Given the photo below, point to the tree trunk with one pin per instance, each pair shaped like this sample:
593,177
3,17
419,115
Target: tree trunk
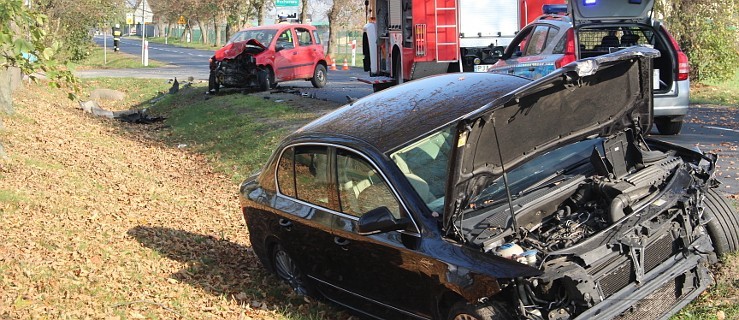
203,31
333,28
10,79
304,12
217,28
260,13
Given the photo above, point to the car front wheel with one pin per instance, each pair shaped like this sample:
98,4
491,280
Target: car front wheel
288,271
319,77
213,85
723,226
668,127
264,79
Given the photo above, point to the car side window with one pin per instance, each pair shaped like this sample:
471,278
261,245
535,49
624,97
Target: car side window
537,41
286,173
285,39
311,176
303,37
315,36
361,187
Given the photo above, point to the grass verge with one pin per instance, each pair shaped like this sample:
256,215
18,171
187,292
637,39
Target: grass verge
113,60
718,93
177,42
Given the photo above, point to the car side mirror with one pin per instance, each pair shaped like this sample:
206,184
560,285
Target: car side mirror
380,220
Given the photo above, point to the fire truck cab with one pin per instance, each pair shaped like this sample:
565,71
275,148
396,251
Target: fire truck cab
410,39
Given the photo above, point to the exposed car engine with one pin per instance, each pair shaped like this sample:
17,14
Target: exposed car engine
602,230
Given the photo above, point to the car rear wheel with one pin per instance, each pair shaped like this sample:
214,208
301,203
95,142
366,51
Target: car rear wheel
668,127
723,226
466,311
319,76
288,271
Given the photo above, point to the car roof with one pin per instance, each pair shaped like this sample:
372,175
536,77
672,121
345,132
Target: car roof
559,21
279,26
397,116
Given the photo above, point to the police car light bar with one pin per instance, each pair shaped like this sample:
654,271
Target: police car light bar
554,8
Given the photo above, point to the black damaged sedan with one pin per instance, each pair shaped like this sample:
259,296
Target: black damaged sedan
489,196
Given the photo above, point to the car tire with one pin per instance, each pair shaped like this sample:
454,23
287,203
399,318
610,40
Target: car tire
213,86
287,270
666,126
264,80
723,224
489,311
319,77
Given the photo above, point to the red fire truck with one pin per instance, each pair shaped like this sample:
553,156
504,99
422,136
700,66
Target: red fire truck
410,39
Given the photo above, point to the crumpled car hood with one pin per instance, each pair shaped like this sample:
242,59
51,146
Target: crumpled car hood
591,97
234,49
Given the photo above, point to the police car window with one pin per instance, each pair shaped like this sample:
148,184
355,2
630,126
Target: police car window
537,41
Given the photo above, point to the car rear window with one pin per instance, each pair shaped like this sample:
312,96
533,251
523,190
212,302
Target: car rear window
605,40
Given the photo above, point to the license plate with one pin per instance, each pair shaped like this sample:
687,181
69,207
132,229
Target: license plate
482,67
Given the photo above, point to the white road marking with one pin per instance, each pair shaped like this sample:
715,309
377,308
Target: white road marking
721,128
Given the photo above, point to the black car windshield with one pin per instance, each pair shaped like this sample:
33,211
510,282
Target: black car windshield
541,169
424,164
263,36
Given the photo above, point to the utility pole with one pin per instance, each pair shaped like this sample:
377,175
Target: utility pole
144,43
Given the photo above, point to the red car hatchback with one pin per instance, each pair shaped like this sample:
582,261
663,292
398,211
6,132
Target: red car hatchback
263,56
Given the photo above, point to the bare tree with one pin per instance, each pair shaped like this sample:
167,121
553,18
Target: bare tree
340,17
304,12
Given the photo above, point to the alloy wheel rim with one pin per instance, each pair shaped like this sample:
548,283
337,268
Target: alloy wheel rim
321,76
288,271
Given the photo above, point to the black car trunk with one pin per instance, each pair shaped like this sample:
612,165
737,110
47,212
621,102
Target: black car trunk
601,39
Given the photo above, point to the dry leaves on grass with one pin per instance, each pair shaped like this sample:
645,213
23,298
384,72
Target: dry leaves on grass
99,221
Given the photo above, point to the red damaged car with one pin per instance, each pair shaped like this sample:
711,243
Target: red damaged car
260,57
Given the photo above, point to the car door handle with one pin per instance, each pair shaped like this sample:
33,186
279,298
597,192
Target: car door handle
286,224
342,242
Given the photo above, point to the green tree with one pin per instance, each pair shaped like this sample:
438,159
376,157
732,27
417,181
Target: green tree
707,32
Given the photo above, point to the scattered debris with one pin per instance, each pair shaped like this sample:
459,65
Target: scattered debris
130,116
350,99
107,94
175,87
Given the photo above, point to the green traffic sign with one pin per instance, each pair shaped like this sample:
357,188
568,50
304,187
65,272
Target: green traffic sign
287,3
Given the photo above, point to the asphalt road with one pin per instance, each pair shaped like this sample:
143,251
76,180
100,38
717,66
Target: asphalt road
187,62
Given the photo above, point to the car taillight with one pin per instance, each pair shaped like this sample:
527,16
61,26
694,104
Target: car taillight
569,54
683,65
